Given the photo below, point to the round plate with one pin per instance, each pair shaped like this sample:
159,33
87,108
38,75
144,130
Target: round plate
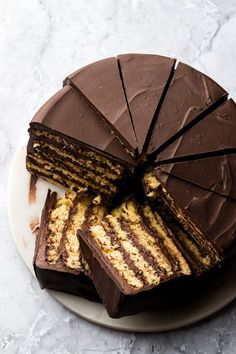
24,214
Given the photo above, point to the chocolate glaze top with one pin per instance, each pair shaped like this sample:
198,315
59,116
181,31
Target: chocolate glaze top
190,93
69,114
101,84
212,135
145,78
217,174
214,214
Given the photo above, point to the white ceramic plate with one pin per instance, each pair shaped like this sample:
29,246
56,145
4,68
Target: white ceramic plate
22,213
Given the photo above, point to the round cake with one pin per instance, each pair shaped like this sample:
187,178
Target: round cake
145,149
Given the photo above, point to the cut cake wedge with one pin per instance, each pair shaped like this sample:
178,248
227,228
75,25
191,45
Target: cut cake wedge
58,262
130,254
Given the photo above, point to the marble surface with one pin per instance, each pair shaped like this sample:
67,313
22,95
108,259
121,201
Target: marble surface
40,42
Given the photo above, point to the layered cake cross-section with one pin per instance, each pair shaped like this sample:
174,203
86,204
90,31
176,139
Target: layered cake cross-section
194,251
58,262
131,251
69,146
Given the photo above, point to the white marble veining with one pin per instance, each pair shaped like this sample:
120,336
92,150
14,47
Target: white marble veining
40,42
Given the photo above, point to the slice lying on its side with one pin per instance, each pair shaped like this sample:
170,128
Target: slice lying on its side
130,253
209,217
196,255
191,95
58,262
70,146
211,136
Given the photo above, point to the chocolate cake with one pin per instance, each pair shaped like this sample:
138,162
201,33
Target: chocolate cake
209,217
152,142
68,145
132,250
58,262
194,252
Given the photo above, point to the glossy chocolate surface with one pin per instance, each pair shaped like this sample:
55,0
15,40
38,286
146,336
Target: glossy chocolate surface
214,214
101,85
189,95
213,135
217,174
69,114
145,78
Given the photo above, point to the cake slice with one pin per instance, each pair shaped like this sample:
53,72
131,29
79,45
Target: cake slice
191,95
211,136
195,254
69,146
145,78
217,174
207,216
130,253
101,85
58,262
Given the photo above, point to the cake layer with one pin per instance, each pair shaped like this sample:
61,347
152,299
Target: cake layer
217,174
211,136
145,78
58,262
156,190
81,167
197,257
135,249
77,171
43,167
77,150
149,227
209,217
191,96
81,160
101,85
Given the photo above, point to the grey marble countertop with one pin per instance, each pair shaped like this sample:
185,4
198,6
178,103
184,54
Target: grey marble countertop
40,42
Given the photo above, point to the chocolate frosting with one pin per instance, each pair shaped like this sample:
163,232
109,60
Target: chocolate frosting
101,84
69,114
217,174
145,78
212,135
214,214
190,94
